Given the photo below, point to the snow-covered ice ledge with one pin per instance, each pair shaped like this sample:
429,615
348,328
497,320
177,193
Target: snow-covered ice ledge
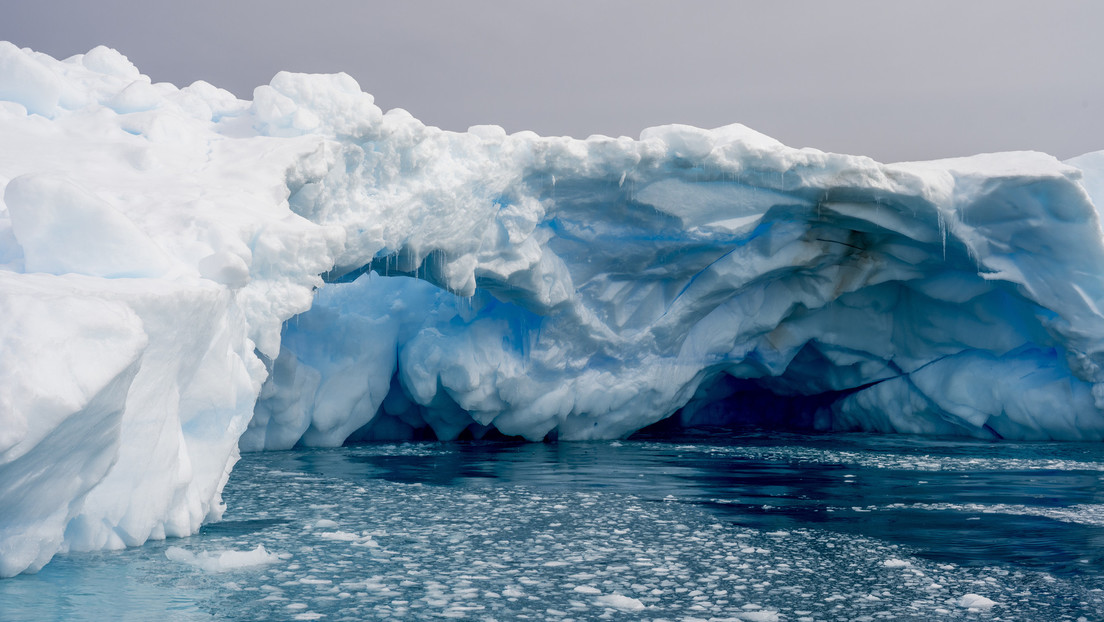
178,277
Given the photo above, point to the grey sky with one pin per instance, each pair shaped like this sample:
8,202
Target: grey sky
893,80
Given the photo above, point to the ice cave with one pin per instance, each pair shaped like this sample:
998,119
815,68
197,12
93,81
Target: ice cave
186,275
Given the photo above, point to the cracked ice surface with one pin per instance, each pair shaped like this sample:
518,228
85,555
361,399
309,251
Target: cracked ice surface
179,273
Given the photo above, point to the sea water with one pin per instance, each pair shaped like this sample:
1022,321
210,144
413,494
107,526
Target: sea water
749,526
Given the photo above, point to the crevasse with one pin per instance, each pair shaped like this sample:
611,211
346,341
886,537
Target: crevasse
183,273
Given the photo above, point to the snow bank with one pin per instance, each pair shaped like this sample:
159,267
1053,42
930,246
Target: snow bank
183,273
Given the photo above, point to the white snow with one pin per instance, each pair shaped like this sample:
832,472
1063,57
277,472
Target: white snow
177,281
62,228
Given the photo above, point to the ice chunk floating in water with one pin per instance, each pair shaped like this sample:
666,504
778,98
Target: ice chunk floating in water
185,273
221,561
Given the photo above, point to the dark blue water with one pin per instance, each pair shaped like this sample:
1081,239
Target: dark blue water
747,527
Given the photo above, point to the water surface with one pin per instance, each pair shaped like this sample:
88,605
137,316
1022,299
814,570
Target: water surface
750,526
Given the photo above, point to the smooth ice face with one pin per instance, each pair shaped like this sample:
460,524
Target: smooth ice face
179,270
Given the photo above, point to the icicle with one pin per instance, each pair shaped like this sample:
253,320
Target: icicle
942,231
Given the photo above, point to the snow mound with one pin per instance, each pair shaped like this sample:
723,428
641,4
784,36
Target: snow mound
183,274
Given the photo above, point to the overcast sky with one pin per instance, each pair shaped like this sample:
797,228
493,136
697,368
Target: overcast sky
894,80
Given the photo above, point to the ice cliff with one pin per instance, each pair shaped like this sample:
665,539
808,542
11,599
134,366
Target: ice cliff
183,273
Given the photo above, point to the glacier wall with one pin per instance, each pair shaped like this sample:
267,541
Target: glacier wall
183,274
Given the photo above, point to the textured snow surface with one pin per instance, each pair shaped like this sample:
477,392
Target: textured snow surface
179,271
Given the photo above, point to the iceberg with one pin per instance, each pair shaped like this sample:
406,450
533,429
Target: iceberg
185,275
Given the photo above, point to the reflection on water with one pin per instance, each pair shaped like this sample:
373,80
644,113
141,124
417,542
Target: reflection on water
113,586
946,515
779,526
